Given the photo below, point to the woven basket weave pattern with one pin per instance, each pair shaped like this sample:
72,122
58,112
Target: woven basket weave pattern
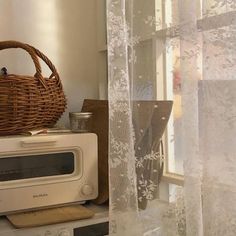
30,102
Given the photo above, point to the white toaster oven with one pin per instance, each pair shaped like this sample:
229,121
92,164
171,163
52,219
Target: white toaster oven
47,170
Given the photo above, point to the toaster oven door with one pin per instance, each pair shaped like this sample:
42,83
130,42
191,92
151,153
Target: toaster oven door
29,166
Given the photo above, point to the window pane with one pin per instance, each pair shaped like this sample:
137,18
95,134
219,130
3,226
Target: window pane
173,92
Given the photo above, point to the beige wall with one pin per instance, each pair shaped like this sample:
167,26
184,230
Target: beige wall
65,30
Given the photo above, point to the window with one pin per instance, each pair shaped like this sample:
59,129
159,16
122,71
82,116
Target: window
169,85
168,76
162,16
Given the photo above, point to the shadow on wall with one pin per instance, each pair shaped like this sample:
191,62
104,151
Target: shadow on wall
77,34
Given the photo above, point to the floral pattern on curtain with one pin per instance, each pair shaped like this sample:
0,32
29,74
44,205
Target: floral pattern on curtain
143,37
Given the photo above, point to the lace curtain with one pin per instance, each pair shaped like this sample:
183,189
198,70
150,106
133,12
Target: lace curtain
183,51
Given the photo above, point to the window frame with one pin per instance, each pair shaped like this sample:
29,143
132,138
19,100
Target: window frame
205,23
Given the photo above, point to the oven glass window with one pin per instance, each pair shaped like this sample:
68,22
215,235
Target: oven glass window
34,166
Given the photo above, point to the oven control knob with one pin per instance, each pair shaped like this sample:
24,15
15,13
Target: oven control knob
87,190
64,233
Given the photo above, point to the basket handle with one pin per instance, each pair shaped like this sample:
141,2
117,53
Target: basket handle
16,44
49,64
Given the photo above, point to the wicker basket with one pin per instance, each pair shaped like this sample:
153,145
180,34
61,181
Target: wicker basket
30,102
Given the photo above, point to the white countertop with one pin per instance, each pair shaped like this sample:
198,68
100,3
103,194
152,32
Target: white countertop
62,229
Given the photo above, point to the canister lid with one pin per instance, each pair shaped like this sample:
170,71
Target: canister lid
80,114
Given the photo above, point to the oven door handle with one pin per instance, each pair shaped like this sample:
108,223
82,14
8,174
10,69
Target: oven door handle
38,143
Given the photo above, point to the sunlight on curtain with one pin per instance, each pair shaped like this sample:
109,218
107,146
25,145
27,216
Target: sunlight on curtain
183,51
137,121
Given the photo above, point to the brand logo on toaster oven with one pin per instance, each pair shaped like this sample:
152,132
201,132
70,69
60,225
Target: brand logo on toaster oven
40,195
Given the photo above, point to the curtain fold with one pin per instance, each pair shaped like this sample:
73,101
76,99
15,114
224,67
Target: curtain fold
183,51
123,186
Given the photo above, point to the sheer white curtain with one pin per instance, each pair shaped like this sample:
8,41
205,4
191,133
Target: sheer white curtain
145,38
